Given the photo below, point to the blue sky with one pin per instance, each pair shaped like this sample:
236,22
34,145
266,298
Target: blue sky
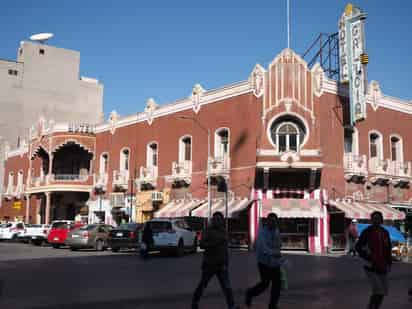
160,49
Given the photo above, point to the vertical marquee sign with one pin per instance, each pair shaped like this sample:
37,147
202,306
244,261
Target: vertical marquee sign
353,59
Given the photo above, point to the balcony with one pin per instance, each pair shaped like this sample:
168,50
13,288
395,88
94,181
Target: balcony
402,173
355,167
100,182
382,171
147,177
120,180
181,172
220,166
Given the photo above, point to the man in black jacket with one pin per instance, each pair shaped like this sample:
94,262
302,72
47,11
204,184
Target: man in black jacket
374,246
215,260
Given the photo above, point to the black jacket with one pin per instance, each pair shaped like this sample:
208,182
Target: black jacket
147,236
214,242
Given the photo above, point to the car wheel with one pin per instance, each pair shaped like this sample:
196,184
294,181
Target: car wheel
99,245
73,249
115,249
194,248
38,243
180,250
56,246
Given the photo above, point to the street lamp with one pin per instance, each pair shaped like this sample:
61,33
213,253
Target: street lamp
207,130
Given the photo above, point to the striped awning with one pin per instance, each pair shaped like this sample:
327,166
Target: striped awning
177,209
360,210
234,207
292,208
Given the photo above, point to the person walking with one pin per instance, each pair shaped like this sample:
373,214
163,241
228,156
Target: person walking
215,261
352,237
374,246
147,241
269,260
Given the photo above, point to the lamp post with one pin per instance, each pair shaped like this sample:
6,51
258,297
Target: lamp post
207,130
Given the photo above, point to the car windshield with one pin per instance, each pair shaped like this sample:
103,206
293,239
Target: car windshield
159,226
88,227
129,226
60,225
33,225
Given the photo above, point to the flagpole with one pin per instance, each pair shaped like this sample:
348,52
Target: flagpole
288,21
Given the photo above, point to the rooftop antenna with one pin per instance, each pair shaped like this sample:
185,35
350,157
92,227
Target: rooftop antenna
41,37
288,20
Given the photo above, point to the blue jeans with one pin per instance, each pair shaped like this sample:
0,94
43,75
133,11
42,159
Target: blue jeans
222,275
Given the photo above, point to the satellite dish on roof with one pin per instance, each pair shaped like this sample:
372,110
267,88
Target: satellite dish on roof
41,37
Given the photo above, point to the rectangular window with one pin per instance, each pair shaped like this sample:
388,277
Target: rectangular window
394,151
282,143
293,143
374,149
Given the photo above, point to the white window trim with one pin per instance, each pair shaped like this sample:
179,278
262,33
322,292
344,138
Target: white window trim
11,179
400,157
20,177
379,144
149,154
122,162
182,151
273,119
218,142
101,165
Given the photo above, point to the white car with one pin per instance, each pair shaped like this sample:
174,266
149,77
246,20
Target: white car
35,233
11,230
172,234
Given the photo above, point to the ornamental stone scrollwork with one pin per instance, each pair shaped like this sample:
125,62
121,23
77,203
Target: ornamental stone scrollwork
290,157
151,106
257,80
318,76
113,119
197,93
375,94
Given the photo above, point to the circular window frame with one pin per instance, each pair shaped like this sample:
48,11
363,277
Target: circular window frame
274,118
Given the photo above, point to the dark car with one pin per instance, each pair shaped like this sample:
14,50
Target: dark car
89,236
125,236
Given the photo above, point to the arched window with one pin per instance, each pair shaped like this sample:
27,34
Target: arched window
124,159
11,179
104,163
375,145
152,155
288,133
20,178
185,149
222,143
287,137
396,149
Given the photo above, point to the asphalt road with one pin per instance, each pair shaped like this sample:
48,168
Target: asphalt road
45,278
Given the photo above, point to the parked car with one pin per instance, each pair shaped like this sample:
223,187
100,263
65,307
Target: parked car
35,233
173,234
125,236
59,231
11,230
89,236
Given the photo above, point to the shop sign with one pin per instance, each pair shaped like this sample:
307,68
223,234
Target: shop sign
17,205
353,59
82,128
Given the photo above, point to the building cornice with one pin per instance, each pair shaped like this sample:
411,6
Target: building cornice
208,97
396,104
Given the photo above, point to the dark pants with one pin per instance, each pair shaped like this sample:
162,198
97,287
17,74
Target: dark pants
222,275
267,275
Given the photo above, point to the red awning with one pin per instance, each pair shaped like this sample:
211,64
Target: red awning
360,210
235,206
177,209
292,208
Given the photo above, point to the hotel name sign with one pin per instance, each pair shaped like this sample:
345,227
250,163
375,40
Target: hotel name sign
353,60
82,128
